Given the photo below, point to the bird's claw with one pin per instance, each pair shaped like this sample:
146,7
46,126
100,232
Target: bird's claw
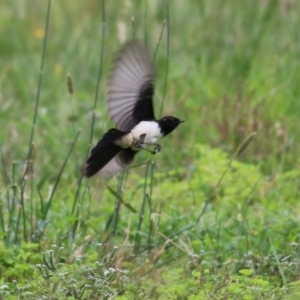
157,149
138,143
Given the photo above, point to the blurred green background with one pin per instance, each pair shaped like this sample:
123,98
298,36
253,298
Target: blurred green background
228,68
233,69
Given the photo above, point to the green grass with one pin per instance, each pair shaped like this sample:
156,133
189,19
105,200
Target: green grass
170,227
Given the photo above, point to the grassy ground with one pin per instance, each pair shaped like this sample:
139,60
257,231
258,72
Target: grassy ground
175,226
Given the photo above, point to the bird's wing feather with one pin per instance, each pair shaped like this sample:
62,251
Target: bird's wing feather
130,88
99,157
118,163
112,168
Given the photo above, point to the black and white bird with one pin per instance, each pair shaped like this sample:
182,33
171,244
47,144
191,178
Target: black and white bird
130,105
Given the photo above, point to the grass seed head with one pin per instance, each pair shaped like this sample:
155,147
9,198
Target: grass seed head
245,143
70,84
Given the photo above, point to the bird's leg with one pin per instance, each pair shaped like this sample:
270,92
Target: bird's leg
140,142
157,148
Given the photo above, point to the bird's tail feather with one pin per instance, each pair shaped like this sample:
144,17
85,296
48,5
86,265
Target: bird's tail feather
103,152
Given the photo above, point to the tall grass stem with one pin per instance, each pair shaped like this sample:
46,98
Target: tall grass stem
58,177
168,57
99,71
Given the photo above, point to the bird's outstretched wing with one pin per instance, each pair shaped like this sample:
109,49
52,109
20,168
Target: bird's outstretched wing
130,87
118,163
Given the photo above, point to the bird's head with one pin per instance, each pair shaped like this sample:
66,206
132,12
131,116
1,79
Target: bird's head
168,124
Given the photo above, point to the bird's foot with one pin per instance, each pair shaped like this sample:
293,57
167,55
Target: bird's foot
140,142
156,149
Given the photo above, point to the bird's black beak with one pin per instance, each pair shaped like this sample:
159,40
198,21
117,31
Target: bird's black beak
181,121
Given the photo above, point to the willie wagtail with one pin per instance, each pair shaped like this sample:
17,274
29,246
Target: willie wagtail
130,105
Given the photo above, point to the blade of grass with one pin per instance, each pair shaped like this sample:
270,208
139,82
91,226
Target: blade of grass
37,100
70,86
2,222
149,197
39,187
117,204
158,222
283,278
159,40
212,193
95,104
114,193
30,145
59,176
31,205
141,215
7,179
240,149
87,217
14,205
145,24
108,224
75,204
18,225
76,224
114,218
10,217
169,237
168,57
99,72
77,194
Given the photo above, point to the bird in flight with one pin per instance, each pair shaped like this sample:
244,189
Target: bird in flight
130,106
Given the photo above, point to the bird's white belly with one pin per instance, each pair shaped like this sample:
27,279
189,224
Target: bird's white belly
150,128
146,132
